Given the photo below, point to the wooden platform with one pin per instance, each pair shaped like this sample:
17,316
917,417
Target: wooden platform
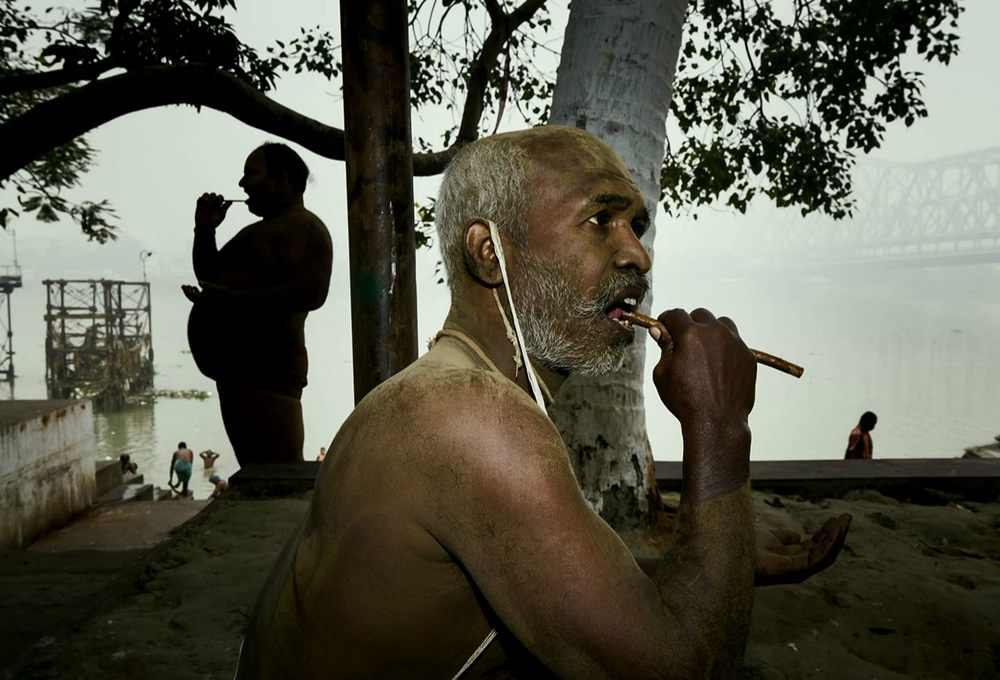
917,479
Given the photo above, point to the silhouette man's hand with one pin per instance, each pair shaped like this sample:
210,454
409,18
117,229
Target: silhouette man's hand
210,292
210,211
192,293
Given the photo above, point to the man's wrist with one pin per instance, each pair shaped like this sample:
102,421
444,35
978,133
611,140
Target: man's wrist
716,460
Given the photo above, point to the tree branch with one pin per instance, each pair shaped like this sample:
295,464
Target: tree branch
35,80
479,76
59,120
495,11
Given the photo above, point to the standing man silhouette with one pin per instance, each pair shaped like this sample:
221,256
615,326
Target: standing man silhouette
247,325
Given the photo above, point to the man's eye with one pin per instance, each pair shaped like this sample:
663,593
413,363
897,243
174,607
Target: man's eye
600,219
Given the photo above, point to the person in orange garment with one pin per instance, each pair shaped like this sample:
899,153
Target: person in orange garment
859,444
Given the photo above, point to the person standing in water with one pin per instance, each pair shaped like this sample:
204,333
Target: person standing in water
181,463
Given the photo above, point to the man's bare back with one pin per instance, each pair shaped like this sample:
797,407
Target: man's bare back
372,578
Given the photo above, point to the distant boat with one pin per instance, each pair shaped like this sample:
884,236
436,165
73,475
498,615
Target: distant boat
984,451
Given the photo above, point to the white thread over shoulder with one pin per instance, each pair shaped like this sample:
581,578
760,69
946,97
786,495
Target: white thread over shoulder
536,392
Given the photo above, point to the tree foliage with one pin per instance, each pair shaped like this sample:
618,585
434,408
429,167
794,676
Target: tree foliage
64,72
772,98
777,98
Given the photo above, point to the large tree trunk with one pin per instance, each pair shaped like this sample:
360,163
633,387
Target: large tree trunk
615,80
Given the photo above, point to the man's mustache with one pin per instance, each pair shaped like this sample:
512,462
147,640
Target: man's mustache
599,298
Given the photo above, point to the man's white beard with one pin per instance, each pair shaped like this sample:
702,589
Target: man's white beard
564,331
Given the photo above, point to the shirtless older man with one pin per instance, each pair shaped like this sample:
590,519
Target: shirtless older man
247,326
447,533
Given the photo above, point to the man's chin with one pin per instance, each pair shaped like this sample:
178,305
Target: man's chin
601,369
592,367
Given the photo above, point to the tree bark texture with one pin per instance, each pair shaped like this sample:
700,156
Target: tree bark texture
615,79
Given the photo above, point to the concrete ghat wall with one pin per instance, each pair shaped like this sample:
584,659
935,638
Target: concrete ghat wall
47,454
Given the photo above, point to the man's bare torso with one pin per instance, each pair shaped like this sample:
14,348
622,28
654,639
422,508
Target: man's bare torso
230,337
364,589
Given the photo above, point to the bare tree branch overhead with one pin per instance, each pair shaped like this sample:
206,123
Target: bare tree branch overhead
57,121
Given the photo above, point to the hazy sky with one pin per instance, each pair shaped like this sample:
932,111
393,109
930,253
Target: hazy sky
153,165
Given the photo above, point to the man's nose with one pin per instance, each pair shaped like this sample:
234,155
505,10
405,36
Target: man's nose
630,251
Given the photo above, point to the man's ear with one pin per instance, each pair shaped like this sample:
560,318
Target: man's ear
281,176
480,256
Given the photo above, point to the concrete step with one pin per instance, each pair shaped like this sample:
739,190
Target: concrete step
138,492
109,475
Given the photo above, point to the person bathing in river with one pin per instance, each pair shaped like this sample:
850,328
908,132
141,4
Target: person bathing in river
208,458
181,463
220,485
247,325
448,535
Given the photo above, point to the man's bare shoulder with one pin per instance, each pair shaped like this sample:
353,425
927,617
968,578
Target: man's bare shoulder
303,219
438,414
433,390
299,224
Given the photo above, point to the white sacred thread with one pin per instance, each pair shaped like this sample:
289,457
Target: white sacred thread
511,337
529,369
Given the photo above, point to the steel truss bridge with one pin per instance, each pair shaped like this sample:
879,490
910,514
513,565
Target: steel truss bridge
933,213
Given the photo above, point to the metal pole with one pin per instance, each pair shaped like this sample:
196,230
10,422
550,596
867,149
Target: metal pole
10,341
379,189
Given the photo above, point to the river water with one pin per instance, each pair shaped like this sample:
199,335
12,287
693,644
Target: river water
918,347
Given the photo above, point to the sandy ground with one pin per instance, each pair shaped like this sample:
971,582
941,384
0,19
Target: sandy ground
915,594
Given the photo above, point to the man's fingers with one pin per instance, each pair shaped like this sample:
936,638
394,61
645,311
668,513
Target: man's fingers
702,315
674,318
730,324
830,540
787,537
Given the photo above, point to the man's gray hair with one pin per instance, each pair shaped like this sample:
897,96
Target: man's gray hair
487,179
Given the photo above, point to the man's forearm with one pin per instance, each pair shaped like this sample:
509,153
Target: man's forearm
204,254
707,574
